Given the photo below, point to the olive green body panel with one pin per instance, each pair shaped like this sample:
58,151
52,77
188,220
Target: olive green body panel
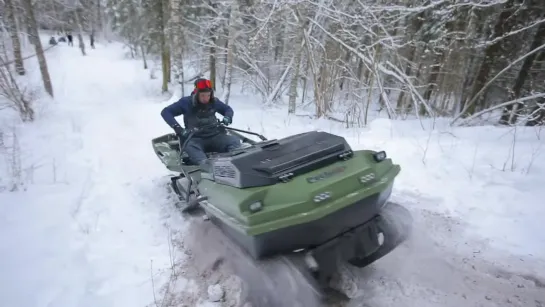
165,148
291,203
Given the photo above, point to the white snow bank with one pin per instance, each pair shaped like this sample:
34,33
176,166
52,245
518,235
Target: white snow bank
90,223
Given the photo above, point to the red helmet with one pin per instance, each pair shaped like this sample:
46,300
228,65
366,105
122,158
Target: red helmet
203,85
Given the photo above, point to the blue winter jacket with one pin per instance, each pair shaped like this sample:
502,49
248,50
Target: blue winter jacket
196,114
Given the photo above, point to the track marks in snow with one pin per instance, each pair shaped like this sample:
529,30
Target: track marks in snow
440,266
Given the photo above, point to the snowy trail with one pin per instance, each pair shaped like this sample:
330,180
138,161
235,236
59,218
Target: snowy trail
121,214
107,215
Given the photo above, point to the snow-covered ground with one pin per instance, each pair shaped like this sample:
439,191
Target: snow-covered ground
93,225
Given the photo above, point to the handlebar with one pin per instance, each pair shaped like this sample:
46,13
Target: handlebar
218,123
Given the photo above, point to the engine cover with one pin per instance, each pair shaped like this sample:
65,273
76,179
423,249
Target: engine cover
272,161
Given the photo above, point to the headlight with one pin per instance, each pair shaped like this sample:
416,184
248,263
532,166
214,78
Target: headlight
379,156
367,178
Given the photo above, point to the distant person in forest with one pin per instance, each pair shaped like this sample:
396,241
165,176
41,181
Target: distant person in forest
92,39
70,39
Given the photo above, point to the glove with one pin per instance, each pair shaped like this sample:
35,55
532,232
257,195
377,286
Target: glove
226,120
180,132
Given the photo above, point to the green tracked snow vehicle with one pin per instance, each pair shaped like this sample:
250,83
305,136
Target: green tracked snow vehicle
308,194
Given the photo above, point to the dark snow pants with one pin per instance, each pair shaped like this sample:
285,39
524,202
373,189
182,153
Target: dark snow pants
197,147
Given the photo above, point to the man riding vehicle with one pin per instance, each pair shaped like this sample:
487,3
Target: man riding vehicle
199,111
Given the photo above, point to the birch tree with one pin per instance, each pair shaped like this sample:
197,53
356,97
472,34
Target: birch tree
230,49
11,25
35,39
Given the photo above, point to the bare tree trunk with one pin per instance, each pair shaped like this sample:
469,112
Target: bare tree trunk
165,50
503,25
177,41
165,63
346,61
415,24
537,112
168,54
295,76
230,50
35,39
212,63
226,47
14,33
182,77
305,81
81,43
433,76
509,115
100,22
144,56
92,39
